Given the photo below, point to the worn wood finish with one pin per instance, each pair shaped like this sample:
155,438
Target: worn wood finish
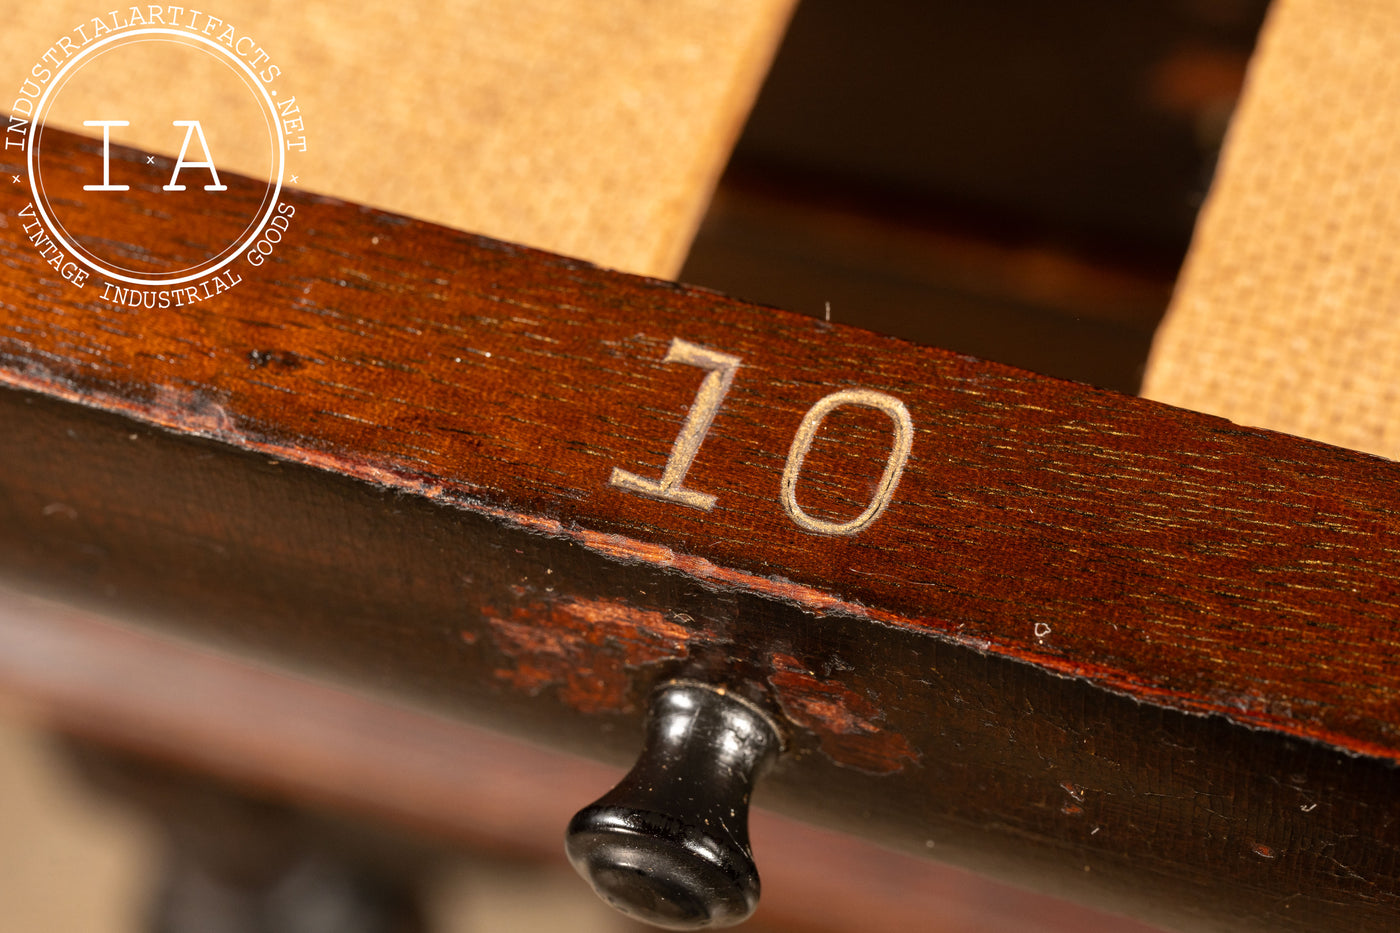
331,750
1098,645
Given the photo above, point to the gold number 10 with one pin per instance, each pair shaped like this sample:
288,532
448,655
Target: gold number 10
708,399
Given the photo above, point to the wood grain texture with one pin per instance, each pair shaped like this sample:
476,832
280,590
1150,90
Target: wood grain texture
1098,645
289,738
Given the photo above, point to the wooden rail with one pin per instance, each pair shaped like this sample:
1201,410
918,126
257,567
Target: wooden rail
332,750
1089,643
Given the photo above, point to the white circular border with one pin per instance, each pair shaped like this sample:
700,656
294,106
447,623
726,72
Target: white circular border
34,126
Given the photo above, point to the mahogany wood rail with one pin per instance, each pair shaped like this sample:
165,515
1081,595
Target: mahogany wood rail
1129,653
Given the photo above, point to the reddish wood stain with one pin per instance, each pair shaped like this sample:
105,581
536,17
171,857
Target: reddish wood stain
586,648
590,649
846,723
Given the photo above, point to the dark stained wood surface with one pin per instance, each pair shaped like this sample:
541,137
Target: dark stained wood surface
292,739
1101,646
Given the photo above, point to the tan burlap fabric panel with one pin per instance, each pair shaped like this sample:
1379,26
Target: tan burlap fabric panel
1287,314
596,130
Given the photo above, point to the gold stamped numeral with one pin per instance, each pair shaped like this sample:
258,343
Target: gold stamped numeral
713,388
894,464
720,369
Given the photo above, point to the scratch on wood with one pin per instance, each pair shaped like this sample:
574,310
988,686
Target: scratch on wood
197,412
280,359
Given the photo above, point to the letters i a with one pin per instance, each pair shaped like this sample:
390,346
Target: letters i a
192,128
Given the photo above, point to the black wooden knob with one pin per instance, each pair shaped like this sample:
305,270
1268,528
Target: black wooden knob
669,845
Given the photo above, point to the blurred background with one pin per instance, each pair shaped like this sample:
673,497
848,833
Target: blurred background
1011,179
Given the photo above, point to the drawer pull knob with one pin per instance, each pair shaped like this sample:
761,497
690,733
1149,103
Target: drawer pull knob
669,845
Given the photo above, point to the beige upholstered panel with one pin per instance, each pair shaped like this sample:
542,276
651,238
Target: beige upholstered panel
1287,314
596,130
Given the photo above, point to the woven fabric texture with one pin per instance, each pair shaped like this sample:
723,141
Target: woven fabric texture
1287,313
597,130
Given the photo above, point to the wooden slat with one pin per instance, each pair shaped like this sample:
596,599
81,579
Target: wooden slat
596,130
1094,644
1285,314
